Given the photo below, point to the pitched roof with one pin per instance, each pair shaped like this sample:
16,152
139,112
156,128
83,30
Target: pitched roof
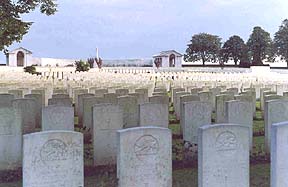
167,53
21,48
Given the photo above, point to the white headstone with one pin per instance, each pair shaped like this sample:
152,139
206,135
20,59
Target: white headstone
53,159
276,111
279,155
153,114
162,99
144,157
107,119
241,113
221,107
130,110
81,106
27,108
6,100
10,139
60,101
195,114
223,156
57,118
38,99
88,103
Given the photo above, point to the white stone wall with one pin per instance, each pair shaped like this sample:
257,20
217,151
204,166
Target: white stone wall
54,62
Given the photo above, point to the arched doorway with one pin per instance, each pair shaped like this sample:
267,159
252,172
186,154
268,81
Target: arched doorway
20,58
172,60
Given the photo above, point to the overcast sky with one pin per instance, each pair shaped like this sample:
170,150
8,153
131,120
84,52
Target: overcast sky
141,28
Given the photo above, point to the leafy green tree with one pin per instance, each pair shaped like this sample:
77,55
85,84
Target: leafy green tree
12,27
233,48
82,66
281,41
203,47
31,69
260,45
245,59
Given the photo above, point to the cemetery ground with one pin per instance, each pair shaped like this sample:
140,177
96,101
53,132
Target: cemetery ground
184,170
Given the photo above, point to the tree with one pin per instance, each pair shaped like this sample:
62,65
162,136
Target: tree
233,48
99,62
260,45
158,62
244,60
90,62
82,66
281,41
203,47
12,28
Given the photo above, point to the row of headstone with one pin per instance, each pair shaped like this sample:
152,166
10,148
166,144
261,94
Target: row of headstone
55,158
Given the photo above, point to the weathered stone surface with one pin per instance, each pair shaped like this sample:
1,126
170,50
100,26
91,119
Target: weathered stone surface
276,111
38,109
279,154
227,93
176,103
111,98
248,97
241,113
221,107
196,90
160,90
60,101
122,91
57,118
262,100
10,139
159,93
18,94
154,114
195,115
206,96
140,97
6,100
42,92
270,98
234,90
100,92
77,92
130,110
60,91
144,157
81,107
174,90
223,156
162,99
53,159
214,91
60,96
183,99
27,108
88,103
107,119
143,91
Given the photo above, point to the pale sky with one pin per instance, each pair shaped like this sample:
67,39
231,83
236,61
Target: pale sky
141,28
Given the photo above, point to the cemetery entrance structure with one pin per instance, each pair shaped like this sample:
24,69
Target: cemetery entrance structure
169,58
19,57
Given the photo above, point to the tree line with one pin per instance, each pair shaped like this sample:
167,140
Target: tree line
208,48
